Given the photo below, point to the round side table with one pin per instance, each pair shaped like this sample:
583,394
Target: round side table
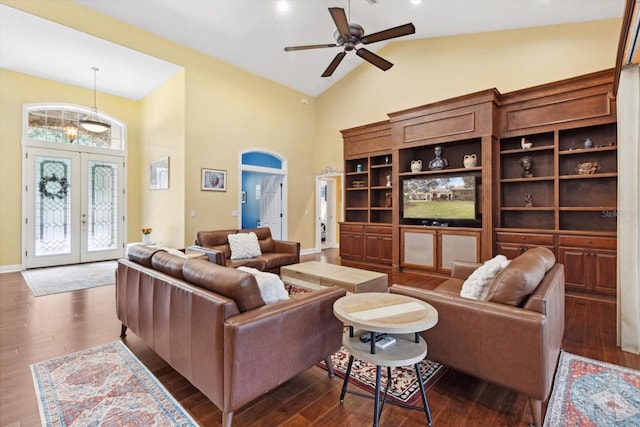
398,316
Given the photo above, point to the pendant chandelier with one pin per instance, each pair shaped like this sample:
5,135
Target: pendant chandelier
92,121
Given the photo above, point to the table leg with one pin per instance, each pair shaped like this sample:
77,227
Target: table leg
346,379
376,402
423,393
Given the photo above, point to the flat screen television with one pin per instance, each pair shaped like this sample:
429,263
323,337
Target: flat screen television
450,198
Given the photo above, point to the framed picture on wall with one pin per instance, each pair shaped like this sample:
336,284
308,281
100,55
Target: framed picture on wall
159,174
214,180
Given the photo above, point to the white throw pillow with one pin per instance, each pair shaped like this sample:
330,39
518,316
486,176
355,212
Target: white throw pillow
477,284
271,287
244,245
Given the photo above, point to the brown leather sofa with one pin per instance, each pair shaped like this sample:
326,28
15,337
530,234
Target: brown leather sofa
211,325
275,253
513,337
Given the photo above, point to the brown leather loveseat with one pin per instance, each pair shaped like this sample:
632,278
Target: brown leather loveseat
513,336
274,253
210,323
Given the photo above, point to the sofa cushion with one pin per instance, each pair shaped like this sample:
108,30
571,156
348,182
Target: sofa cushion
210,239
244,245
274,260
264,238
271,287
142,254
258,263
477,284
168,263
521,277
238,285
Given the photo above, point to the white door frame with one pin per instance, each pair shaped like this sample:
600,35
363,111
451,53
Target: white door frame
270,171
337,218
79,251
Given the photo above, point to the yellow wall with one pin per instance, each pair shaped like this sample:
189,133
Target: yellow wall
227,110
431,70
17,89
162,134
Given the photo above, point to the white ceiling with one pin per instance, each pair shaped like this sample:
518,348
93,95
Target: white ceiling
251,34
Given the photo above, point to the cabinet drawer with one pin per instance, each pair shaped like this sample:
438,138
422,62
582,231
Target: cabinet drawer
588,242
351,227
525,238
377,230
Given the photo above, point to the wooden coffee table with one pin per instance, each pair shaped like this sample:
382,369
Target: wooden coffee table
314,275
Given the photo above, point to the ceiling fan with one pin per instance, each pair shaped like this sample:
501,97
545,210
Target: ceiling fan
350,35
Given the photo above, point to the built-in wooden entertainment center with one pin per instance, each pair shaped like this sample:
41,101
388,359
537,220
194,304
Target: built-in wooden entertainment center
566,200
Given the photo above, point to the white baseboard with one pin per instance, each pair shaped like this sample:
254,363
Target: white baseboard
309,251
10,268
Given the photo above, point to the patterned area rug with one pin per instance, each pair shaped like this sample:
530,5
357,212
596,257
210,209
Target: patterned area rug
54,280
404,385
104,385
588,392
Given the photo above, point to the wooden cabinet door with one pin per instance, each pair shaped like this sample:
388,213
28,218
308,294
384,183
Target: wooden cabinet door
418,249
351,245
378,248
603,270
510,250
576,267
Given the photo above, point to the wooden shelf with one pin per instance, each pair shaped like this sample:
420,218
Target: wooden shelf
542,208
587,208
590,176
442,171
534,179
528,150
587,150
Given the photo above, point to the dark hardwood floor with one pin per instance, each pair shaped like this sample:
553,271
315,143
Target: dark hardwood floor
36,329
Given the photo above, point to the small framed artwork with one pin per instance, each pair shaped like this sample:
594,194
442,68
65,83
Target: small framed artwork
159,174
214,180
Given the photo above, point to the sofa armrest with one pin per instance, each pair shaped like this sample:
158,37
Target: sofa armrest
463,269
216,257
506,345
267,346
287,247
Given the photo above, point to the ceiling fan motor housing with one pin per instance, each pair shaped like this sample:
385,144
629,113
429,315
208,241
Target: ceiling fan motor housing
356,34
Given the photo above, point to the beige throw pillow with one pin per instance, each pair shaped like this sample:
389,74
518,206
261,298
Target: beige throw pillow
244,245
477,284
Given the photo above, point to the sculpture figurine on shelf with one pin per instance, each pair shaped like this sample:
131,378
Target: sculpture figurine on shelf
527,163
439,162
388,181
416,166
470,160
528,200
525,144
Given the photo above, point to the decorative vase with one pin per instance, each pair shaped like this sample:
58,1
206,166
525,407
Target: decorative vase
470,160
146,238
588,143
587,168
416,165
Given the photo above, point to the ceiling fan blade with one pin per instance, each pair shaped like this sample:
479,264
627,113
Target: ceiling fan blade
334,64
374,59
340,20
311,46
391,33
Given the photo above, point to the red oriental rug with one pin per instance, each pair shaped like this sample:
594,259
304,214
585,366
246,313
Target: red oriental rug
404,386
588,392
103,386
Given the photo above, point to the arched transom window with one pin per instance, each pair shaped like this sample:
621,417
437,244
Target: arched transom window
60,123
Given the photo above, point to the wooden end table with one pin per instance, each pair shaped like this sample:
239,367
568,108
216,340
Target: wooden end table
399,316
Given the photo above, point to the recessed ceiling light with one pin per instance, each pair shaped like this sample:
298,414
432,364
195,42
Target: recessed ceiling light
283,6
416,1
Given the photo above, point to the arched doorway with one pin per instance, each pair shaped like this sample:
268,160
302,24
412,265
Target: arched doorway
263,185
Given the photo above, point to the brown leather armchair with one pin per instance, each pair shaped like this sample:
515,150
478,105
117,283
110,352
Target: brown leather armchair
512,338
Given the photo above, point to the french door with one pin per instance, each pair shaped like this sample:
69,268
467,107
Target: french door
74,207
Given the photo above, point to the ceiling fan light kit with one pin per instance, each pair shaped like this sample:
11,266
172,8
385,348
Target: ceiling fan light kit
350,35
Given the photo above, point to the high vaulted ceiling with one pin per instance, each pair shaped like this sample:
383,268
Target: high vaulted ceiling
251,34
